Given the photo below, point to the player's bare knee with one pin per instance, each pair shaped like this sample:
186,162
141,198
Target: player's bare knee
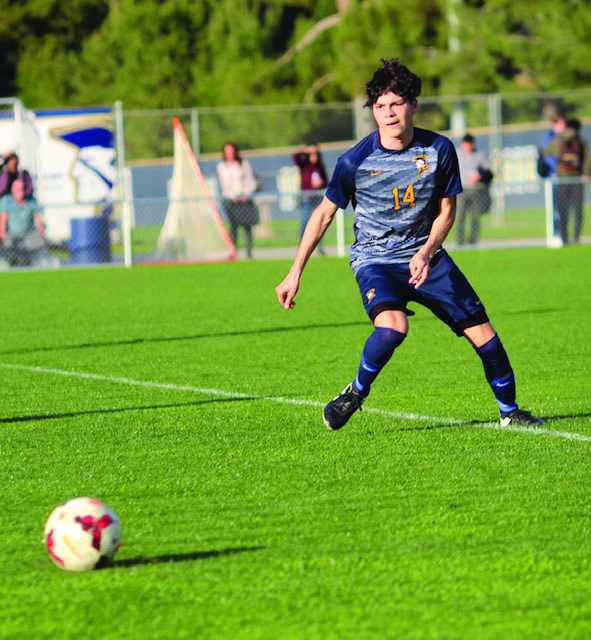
480,334
392,319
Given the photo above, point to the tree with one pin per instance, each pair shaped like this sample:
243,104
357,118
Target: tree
174,53
39,40
507,46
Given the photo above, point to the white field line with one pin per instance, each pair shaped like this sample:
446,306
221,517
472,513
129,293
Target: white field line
280,400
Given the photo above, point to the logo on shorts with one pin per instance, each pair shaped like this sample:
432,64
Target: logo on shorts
370,295
375,173
422,164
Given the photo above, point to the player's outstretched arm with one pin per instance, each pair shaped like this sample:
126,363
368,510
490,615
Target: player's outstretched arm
420,263
318,223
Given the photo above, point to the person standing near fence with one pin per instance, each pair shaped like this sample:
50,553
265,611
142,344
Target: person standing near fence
571,156
238,184
403,182
547,169
313,179
474,201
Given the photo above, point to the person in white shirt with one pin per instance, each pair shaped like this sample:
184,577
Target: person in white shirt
238,184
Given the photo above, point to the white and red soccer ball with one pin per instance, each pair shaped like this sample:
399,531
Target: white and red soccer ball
82,534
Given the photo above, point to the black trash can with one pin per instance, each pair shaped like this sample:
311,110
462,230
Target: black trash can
90,241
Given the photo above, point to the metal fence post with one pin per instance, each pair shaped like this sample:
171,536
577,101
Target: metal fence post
123,196
362,118
195,139
496,146
18,122
549,202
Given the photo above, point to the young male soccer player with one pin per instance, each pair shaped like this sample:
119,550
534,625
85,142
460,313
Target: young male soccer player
402,182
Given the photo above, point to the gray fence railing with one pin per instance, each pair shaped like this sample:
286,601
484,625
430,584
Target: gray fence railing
498,118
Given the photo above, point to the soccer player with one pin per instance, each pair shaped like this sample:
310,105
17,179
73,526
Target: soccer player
402,182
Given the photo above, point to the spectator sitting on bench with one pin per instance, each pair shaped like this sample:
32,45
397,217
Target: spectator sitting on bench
21,226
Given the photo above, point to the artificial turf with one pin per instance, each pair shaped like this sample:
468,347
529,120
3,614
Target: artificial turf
190,402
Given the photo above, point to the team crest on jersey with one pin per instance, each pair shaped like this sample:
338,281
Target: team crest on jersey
422,164
370,295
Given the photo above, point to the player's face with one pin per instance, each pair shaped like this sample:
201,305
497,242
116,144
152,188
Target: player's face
393,115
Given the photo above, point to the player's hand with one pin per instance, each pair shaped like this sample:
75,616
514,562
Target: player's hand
419,270
286,291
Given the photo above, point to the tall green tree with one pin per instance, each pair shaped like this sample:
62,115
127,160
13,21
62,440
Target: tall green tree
375,29
531,45
170,53
40,40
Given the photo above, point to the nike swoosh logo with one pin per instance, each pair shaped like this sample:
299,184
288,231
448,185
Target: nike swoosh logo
376,173
368,368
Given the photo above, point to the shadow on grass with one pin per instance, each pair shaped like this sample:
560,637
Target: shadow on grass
452,425
519,312
178,557
221,334
90,412
549,420
567,416
197,336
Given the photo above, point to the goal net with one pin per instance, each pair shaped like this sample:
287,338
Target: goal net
193,229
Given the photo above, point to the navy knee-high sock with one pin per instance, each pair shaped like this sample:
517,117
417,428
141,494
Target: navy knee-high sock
498,372
377,351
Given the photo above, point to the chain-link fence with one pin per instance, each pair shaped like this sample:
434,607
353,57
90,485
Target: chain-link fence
518,208
149,135
280,218
503,119
266,226
270,227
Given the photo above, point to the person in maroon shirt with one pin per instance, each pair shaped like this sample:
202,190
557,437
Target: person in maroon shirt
313,181
11,172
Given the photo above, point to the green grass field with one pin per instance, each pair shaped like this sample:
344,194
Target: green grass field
190,402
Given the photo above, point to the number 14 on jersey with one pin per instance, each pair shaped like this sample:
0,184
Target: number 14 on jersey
408,197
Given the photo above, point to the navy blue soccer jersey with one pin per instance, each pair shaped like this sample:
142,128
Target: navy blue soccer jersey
395,194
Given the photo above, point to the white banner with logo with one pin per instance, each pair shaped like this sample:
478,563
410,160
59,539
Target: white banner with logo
76,164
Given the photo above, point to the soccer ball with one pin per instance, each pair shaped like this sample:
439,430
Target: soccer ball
82,534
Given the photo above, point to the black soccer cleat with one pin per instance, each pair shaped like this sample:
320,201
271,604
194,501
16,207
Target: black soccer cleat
338,411
519,416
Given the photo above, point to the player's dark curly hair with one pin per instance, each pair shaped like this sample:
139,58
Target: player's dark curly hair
395,77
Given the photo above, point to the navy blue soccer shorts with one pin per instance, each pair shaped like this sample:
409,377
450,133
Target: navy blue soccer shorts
446,292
